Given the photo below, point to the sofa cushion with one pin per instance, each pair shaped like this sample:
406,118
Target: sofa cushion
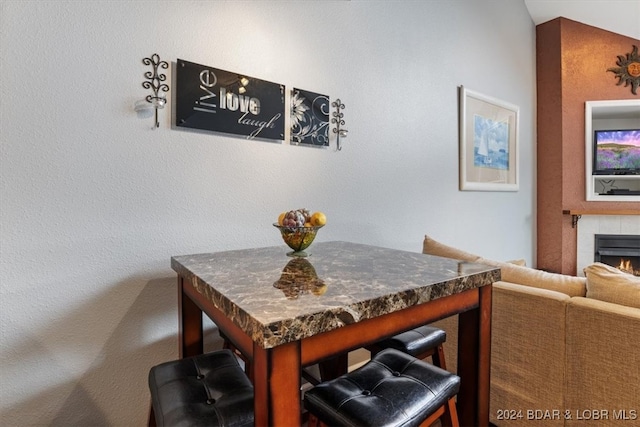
433,247
606,283
569,285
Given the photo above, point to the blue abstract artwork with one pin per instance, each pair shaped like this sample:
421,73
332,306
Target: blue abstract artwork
490,143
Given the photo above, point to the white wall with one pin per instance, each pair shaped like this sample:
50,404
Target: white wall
94,202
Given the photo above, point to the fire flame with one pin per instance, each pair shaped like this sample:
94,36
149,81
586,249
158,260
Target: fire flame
625,265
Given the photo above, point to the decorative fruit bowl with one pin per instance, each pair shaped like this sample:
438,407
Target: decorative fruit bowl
298,238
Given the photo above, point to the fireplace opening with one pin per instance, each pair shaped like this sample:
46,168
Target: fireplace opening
619,251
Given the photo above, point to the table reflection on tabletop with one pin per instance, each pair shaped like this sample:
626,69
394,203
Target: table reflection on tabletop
299,278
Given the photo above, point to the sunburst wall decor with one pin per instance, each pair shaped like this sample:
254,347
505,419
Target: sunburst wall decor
628,70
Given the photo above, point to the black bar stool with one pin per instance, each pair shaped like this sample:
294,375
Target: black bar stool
420,342
206,390
392,389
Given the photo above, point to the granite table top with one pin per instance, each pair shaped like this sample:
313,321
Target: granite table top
277,299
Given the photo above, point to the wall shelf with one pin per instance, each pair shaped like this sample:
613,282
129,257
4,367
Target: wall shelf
603,115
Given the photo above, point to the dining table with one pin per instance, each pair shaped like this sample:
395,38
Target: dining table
285,312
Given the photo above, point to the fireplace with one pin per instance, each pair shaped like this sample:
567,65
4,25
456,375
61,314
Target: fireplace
619,250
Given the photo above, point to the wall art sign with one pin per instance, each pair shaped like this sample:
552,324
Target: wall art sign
222,101
488,143
309,118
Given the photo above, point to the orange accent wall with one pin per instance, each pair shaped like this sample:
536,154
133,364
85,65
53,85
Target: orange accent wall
571,66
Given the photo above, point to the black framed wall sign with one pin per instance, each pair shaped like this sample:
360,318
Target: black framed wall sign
215,100
309,118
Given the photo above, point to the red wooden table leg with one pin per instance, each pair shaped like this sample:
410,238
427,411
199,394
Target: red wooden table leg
484,370
191,340
474,361
284,385
260,374
277,385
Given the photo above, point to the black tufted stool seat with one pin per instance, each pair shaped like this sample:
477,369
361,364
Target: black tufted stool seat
206,390
392,389
420,342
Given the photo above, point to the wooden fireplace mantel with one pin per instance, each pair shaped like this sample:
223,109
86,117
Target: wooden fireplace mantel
576,214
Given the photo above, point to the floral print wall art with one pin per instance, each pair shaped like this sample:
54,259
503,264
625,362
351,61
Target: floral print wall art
309,118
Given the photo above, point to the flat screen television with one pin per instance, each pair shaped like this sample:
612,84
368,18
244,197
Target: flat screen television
616,152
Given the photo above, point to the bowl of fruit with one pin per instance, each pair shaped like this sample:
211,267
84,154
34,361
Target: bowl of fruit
299,228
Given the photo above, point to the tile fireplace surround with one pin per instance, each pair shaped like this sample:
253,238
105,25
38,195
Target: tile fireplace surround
590,225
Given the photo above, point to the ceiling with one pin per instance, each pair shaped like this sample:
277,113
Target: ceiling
618,16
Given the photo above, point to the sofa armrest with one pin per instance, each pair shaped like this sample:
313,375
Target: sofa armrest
527,352
603,362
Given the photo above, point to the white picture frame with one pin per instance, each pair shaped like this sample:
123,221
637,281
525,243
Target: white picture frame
489,127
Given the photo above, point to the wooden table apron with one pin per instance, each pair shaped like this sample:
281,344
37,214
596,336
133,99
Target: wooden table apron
276,371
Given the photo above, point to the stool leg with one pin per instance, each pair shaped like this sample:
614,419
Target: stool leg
314,421
152,418
433,417
450,416
373,349
227,344
334,367
438,357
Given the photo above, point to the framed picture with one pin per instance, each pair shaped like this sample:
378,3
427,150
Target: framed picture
488,143
212,99
309,118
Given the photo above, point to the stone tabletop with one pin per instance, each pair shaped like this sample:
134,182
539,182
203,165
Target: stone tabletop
277,299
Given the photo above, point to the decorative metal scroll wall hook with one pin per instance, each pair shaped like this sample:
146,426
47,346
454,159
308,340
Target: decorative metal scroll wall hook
154,82
339,121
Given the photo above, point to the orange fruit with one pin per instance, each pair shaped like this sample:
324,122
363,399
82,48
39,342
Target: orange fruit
281,218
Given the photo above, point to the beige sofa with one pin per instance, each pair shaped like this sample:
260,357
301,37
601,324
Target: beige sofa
559,356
